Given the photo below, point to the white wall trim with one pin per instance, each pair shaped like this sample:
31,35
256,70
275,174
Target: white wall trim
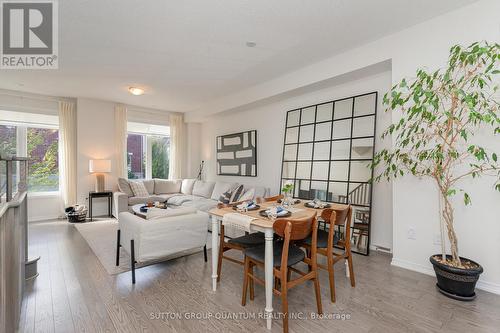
412,266
44,206
489,286
33,96
19,101
380,248
45,218
483,285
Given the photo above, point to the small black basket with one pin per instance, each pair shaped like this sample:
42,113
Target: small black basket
77,217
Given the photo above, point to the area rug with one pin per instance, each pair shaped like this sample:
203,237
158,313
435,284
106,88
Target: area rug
101,237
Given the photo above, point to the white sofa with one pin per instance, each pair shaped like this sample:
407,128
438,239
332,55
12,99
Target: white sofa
176,232
202,195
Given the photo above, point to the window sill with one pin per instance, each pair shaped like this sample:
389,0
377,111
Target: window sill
41,195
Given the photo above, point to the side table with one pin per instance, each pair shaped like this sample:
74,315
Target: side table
105,194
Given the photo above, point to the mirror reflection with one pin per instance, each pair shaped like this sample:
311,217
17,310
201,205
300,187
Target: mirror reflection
324,112
306,133
323,131
308,115
293,118
327,153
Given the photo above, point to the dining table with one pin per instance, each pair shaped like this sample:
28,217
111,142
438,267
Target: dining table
265,225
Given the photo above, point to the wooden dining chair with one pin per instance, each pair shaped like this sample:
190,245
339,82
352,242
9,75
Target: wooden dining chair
269,199
240,243
286,254
326,241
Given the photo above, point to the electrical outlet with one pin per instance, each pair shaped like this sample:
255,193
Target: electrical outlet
437,239
412,233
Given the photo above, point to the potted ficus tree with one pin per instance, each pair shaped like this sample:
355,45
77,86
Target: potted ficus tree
440,113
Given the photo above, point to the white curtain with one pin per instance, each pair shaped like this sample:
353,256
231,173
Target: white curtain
121,140
176,145
67,152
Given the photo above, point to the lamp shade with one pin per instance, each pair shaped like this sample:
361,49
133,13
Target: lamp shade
98,166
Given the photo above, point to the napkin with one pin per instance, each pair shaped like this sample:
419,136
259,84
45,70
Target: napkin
245,205
238,221
279,211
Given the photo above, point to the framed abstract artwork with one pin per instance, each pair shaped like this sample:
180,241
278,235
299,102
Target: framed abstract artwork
237,154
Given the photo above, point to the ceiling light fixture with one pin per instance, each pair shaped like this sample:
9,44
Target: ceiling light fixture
251,44
136,91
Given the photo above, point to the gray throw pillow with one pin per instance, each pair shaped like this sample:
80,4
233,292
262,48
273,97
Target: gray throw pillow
149,184
225,197
124,187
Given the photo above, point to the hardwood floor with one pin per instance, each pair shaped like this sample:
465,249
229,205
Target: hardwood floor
74,293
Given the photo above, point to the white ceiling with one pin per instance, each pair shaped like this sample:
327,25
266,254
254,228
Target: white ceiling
186,53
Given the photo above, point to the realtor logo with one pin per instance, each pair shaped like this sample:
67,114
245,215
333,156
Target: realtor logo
29,34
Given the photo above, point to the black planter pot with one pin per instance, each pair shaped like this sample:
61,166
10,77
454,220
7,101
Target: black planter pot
456,283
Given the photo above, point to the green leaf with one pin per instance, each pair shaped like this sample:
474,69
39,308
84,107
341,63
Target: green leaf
451,192
467,199
439,112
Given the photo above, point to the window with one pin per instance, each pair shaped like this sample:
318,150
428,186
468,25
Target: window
43,166
37,137
148,149
8,140
136,156
160,150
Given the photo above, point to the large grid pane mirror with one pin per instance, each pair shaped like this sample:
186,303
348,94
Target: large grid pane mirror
327,151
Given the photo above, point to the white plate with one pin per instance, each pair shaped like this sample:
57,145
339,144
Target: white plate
282,213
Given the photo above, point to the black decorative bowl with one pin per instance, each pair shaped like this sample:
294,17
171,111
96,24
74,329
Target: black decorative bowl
144,209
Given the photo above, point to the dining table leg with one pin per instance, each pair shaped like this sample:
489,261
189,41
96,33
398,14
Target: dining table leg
268,273
215,250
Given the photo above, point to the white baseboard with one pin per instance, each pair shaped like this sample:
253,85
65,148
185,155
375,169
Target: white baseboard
488,286
43,218
483,285
378,248
413,266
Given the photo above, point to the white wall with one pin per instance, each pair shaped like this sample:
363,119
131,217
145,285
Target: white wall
269,121
95,140
414,201
44,207
193,150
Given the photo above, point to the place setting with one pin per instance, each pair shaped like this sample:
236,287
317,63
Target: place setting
246,206
317,204
275,212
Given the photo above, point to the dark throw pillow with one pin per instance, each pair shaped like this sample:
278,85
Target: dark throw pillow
237,192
